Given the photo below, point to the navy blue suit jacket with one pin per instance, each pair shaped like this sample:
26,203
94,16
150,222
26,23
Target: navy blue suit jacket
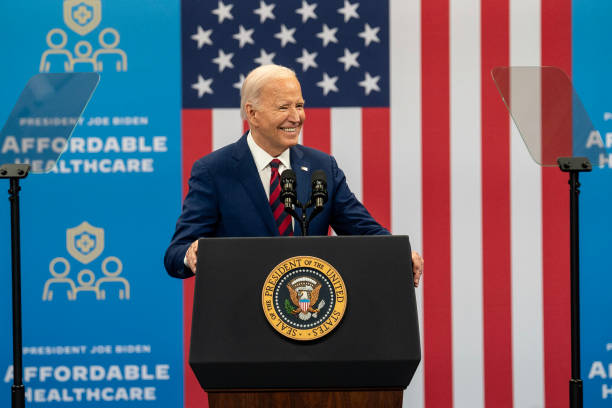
226,199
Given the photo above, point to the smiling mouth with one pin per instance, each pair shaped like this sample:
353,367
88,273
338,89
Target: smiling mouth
289,130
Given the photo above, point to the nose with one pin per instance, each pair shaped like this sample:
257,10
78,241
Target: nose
294,115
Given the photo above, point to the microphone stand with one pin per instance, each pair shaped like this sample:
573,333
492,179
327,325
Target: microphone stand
303,220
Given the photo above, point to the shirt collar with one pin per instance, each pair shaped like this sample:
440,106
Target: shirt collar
263,158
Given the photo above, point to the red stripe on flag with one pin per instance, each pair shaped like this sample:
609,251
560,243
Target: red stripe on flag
556,51
197,141
496,258
376,163
245,126
435,117
317,131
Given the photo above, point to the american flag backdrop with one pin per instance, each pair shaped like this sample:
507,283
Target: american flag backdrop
400,92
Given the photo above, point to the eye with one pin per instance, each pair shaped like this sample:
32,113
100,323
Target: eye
283,107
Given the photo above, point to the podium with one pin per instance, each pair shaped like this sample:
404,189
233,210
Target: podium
366,360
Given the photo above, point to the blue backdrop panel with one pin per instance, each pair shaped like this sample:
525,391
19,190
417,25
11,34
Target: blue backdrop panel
102,321
592,58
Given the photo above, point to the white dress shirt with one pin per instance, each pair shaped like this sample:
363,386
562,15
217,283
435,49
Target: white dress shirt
262,162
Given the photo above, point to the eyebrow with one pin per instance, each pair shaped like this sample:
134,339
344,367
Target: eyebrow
290,103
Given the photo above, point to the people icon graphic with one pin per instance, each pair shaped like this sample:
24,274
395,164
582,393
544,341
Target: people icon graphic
82,50
112,279
59,280
109,49
56,52
111,282
57,58
85,243
86,279
82,17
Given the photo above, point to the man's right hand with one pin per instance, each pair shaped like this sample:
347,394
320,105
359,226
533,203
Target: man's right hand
192,256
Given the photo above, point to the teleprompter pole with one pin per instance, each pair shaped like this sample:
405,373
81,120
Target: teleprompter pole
14,172
18,390
573,166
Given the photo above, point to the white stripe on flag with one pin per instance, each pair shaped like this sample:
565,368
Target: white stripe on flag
526,225
466,199
405,95
226,126
346,145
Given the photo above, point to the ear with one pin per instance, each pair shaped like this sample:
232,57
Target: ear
250,113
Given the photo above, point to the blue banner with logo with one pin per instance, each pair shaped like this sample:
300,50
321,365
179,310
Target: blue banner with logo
592,58
102,322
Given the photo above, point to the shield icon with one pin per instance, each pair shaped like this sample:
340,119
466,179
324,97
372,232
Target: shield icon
304,305
85,242
82,16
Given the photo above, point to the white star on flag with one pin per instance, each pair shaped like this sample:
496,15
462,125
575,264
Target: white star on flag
349,59
349,10
328,84
285,35
223,12
370,83
265,58
238,85
325,43
369,34
307,11
307,59
202,37
203,86
244,36
265,11
328,35
224,60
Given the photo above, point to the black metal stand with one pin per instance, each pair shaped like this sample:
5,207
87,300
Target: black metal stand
14,172
573,166
304,222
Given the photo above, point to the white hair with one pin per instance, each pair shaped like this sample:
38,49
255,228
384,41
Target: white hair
255,81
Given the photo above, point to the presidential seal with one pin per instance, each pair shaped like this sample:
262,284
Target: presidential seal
304,298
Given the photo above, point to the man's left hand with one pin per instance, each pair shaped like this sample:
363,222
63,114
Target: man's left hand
417,267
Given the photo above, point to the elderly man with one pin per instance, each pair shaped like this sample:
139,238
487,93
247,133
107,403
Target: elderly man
234,191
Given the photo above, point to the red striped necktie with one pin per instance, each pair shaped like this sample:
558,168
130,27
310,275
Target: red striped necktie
283,220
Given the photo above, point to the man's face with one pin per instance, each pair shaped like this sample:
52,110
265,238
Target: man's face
277,121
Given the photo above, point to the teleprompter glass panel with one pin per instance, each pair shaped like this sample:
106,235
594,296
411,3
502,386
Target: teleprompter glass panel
549,114
44,117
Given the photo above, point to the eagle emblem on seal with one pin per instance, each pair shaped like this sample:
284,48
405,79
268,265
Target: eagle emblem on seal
304,293
304,298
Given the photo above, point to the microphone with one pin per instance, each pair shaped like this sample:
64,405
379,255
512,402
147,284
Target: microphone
319,188
288,183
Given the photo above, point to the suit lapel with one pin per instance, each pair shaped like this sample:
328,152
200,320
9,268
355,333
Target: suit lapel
302,170
247,174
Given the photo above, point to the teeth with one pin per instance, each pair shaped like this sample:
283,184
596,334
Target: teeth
288,129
